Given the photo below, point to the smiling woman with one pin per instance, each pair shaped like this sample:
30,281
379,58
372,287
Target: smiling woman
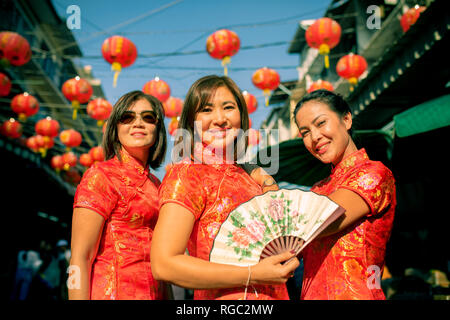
197,195
338,264
116,207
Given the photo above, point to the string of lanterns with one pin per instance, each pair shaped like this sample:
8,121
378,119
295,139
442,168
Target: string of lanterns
15,51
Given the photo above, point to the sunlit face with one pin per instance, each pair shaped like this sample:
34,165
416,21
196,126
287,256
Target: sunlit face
324,132
219,119
138,135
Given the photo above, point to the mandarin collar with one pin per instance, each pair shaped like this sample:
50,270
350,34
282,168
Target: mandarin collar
350,160
131,163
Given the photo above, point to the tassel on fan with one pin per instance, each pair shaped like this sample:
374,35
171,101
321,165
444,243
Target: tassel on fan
272,223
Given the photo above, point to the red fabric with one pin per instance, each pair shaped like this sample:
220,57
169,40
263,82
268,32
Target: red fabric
343,266
211,192
126,195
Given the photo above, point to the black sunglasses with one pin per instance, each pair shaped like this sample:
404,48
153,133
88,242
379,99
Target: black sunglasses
147,116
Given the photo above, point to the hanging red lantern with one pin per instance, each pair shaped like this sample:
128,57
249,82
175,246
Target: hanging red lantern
410,17
267,80
78,91
223,44
321,84
250,101
173,126
173,107
11,128
351,67
120,53
14,49
32,144
25,105
97,154
47,127
43,144
57,163
99,109
253,137
69,160
5,85
71,138
86,160
157,88
324,34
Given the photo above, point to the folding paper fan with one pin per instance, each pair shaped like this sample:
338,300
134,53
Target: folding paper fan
272,223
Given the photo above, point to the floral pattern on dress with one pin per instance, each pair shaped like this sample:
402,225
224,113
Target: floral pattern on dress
211,192
335,267
126,195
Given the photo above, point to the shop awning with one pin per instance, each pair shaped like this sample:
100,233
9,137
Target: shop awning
427,116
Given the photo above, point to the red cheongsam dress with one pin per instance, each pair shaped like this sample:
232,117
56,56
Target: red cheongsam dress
349,264
125,194
211,192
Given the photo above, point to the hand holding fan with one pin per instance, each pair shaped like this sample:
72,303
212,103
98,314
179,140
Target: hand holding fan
272,223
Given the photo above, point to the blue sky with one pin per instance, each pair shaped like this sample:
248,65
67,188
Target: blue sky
167,26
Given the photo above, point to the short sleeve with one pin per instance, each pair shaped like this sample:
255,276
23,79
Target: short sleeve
183,185
375,184
96,192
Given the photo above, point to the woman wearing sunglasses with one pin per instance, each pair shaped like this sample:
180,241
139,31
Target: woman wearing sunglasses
197,195
116,207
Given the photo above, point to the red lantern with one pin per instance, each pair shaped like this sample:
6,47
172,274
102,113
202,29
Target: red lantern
324,34
69,160
321,84
57,163
99,109
86,160
351,67
47,127
78,91
173,126
250,101
5,85
223,44
97,154
410,17
267,80
14,49
173,107
120,53
71,138
157,88
11,128
25,105
43,144
253,137
32,143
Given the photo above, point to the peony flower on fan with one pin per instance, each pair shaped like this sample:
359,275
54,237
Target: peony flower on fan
276,209
256,230
241,237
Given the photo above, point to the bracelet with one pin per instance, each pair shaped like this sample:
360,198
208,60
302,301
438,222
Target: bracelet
248,282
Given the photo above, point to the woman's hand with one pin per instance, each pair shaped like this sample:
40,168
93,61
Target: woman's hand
271,270
261,177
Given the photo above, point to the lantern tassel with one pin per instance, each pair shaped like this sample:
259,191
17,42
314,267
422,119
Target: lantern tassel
353,81
324,50
22,117
117,67
266,93
226,60
327,61
75,106
100,123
